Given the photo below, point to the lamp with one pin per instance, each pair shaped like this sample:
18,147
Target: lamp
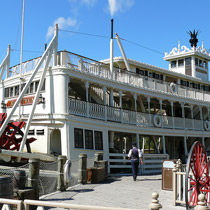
3,105
41,99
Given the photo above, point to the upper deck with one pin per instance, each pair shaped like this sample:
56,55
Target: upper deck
143,76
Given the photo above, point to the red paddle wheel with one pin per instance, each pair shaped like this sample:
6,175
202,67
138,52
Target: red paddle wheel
13,135
197,180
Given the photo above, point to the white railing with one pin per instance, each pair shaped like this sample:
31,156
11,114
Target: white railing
101,112
152,163
86,65
83,64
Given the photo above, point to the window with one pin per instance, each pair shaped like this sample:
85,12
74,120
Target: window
31,87
40,132
88,139
150,74
204,65
31,132
16,90
36,85
98,140
137,70
200,63
196,61
6,92
11,92
78,138
173,64
187,61
157,76
43,86
141,72
146,73
181,62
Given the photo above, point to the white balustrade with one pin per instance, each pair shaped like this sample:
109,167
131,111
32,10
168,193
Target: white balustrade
113,114
96,111
188,124
102,112
179,123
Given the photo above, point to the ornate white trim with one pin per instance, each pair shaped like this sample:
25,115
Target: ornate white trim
178,51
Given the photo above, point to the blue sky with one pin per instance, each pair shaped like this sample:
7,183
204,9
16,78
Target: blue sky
157,25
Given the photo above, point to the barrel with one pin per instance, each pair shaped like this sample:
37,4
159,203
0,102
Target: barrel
6,187
19,179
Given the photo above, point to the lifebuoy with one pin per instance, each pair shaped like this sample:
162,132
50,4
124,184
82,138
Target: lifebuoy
207,125
67,172
172,87
157,121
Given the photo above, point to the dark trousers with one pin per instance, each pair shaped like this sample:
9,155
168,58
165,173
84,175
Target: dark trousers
135,166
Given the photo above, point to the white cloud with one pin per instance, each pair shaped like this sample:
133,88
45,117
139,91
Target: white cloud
89,3
62,24
119,5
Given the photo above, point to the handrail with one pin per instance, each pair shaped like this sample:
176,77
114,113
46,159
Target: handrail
68,206
12,202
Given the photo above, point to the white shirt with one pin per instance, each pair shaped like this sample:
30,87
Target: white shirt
129,154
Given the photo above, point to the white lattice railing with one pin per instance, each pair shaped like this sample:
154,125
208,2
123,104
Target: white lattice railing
106,113
80,63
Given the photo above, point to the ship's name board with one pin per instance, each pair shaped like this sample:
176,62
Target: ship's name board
24,101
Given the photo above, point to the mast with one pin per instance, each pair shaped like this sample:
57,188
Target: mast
111,50
21,55
21,51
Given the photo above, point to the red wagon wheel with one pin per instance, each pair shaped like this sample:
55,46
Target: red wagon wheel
197,174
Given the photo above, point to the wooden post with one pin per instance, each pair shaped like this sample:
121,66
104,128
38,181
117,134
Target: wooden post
61,162
155,205
174,185
82,170
33,176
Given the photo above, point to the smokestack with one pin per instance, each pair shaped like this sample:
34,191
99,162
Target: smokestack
111,49
112,28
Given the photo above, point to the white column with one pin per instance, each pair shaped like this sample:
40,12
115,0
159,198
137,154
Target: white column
111,142
164,145
87,99
193,66
148,101
105,107
137,140
60,93
121,111
185,147
135,97
65,140
143,143
203,141
161,111
191,109
183,113
172,113
135,106
111,99
201,113
104,95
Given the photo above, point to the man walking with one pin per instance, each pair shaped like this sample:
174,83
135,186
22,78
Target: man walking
135,154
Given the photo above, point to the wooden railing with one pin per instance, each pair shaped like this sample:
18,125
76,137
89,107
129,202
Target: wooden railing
106,113
26,204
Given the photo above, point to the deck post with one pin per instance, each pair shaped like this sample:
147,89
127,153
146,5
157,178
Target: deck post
174,185
61,162
82,170
33,176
